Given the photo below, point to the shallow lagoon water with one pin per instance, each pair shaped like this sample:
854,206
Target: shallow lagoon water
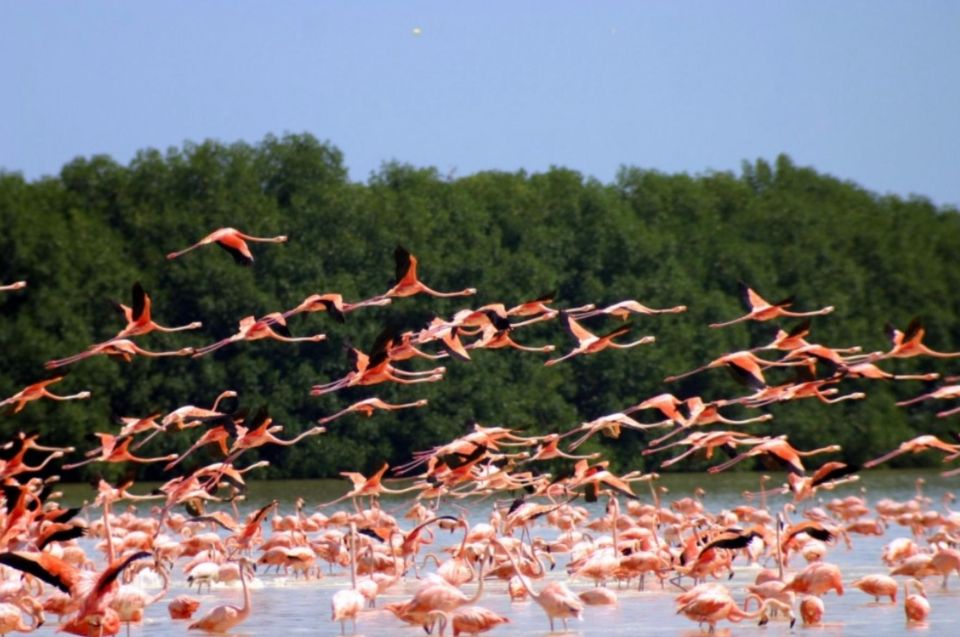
283,605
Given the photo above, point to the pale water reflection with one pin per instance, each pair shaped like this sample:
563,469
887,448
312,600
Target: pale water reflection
286,606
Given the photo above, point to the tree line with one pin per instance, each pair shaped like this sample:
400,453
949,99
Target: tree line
86,235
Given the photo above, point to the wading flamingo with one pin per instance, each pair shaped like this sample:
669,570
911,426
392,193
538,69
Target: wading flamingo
224,617
556,599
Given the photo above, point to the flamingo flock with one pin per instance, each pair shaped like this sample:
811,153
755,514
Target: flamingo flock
83,564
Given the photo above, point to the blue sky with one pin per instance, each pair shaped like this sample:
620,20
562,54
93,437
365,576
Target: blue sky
864,90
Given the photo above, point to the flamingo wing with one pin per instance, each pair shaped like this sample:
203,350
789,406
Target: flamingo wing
56,573
575,328
915,330
237,253
141,303
406,266
751,299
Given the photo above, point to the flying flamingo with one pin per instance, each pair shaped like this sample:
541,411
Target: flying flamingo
138,317
941,393
589,343
39,390
18,285
744,364
624,309
700,413
407,283
914,445
224,617
334,304
119,347
539,309
367,406
347,603
115,449
705,440
910,343
762,310
363,486
272,326
233,241
780,448
191,415
610,426
95,614
494,338
261,432
375,369
872,372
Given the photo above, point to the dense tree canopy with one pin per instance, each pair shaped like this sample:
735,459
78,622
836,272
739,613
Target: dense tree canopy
85,236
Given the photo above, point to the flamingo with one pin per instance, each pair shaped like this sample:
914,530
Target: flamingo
744,365
624,309
347,604
910,343
811,610
119,347
915,606
95,613
183,607
878,586
37,391
367,486
233,241
130,601
334,304
138,317
223,618
272,326
367,406
17,285
589,343
780,448
872,372
407,283
191,415
11,619
116,449
816,579
762,310
556,599
441,596
712,606
472,620
941,393
915,445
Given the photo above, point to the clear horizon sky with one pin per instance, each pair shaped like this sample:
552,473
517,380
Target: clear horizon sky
867,91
